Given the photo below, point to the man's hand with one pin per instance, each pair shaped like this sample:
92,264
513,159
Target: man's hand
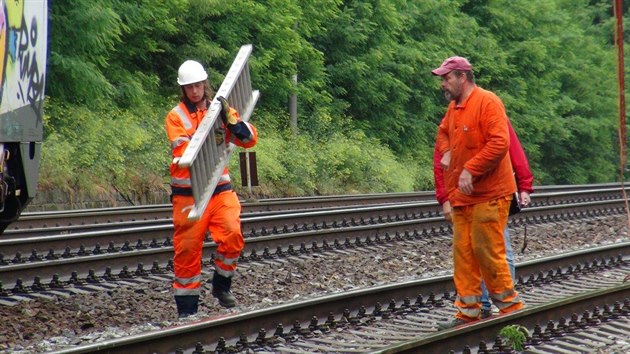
446,160
447,210
465,183
226,114
525,199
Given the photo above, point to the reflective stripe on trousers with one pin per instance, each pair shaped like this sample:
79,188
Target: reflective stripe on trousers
184,291
472,306
225,266
479,248
187,286
222,219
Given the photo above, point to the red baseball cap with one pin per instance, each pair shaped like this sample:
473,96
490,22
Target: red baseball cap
452,63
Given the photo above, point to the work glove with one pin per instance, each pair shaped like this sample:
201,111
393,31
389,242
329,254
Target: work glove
219,135
226,113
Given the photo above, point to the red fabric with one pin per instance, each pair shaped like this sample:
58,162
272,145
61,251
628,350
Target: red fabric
524,176
452,63
438,178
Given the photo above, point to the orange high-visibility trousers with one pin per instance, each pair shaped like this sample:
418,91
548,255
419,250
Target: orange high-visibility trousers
479,251
222,219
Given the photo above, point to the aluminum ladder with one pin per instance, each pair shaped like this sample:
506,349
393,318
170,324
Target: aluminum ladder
203,157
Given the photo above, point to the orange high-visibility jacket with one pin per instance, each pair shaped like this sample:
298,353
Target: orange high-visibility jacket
476,133
522,172
182,122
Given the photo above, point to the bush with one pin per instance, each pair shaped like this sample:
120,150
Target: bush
341,164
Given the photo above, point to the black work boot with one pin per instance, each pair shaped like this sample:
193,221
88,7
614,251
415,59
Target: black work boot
485,313
186,305
221,290
455,323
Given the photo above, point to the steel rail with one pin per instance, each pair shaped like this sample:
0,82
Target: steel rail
131,258
135,220
164,211
260,219
279,224
82,217
259,225
486,331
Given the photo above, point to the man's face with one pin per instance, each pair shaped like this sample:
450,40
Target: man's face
452,86
194,92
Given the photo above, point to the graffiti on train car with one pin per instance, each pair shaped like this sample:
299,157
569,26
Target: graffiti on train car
23,45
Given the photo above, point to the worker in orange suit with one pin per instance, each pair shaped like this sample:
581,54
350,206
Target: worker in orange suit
524,181
222,215
473,140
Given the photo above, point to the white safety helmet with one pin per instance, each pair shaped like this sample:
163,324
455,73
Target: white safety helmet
190,72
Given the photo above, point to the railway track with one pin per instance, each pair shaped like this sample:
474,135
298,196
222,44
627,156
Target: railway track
163,212
338,230
66,221
36,262
403,317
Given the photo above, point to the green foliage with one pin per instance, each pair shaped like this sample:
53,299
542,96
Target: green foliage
212,32
367,103
339,163
56,171
100,148
514,336
366,68
81,36
107,49
354,161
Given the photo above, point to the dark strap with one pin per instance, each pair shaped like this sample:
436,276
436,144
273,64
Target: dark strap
222,188
181,191
188,191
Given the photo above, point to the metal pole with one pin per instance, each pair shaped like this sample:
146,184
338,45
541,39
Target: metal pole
293,107
618,8
249,173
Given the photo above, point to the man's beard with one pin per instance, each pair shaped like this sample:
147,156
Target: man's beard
448,96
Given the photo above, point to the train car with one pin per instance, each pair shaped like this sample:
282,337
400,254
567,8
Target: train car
23,52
